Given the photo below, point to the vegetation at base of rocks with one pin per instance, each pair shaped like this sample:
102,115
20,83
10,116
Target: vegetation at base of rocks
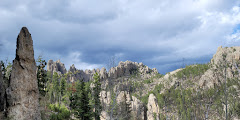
61,112
150,80
156,91
134,73
191,71
147,81
189,103
62,99
237,109
234,49
122,110
6,70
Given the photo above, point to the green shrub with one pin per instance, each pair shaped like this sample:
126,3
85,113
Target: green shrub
192,71
237,109
144,99
62,112
147,81
234,49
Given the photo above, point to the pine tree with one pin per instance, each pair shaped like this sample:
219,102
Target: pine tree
86,99
80,102
63,86
56,87
96,98
41,76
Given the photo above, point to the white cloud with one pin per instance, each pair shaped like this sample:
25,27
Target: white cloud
75,58
233,38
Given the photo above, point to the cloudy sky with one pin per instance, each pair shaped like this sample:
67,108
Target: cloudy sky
159,33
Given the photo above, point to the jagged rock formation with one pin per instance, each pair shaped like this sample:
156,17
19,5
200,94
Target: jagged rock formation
128,68
76,74
22,93
103,73
105,97
124,69
136,106
137,109
153,108
121,97
228,58
56,67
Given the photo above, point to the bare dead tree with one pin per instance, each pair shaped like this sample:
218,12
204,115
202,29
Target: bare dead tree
111,62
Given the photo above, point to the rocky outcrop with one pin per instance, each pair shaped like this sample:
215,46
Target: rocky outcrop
76,74
123,96
129,68
229,55
22,93
228,58
56,67
104,116
124,69
136,106
137,109
103,74
209,79
105,98
153,108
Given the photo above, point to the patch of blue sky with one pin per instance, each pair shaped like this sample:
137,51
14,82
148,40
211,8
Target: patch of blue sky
236,29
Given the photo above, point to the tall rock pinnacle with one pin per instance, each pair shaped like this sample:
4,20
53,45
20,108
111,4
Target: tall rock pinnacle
22,93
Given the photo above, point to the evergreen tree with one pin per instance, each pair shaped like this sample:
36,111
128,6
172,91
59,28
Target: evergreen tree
86,99
56,87
6,71
80,102
63,86
96,98
41,76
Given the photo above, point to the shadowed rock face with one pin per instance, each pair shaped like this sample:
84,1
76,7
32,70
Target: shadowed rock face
56,67
2,92
22,93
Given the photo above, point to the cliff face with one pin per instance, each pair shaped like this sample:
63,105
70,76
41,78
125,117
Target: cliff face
56,67
225,58
22,93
